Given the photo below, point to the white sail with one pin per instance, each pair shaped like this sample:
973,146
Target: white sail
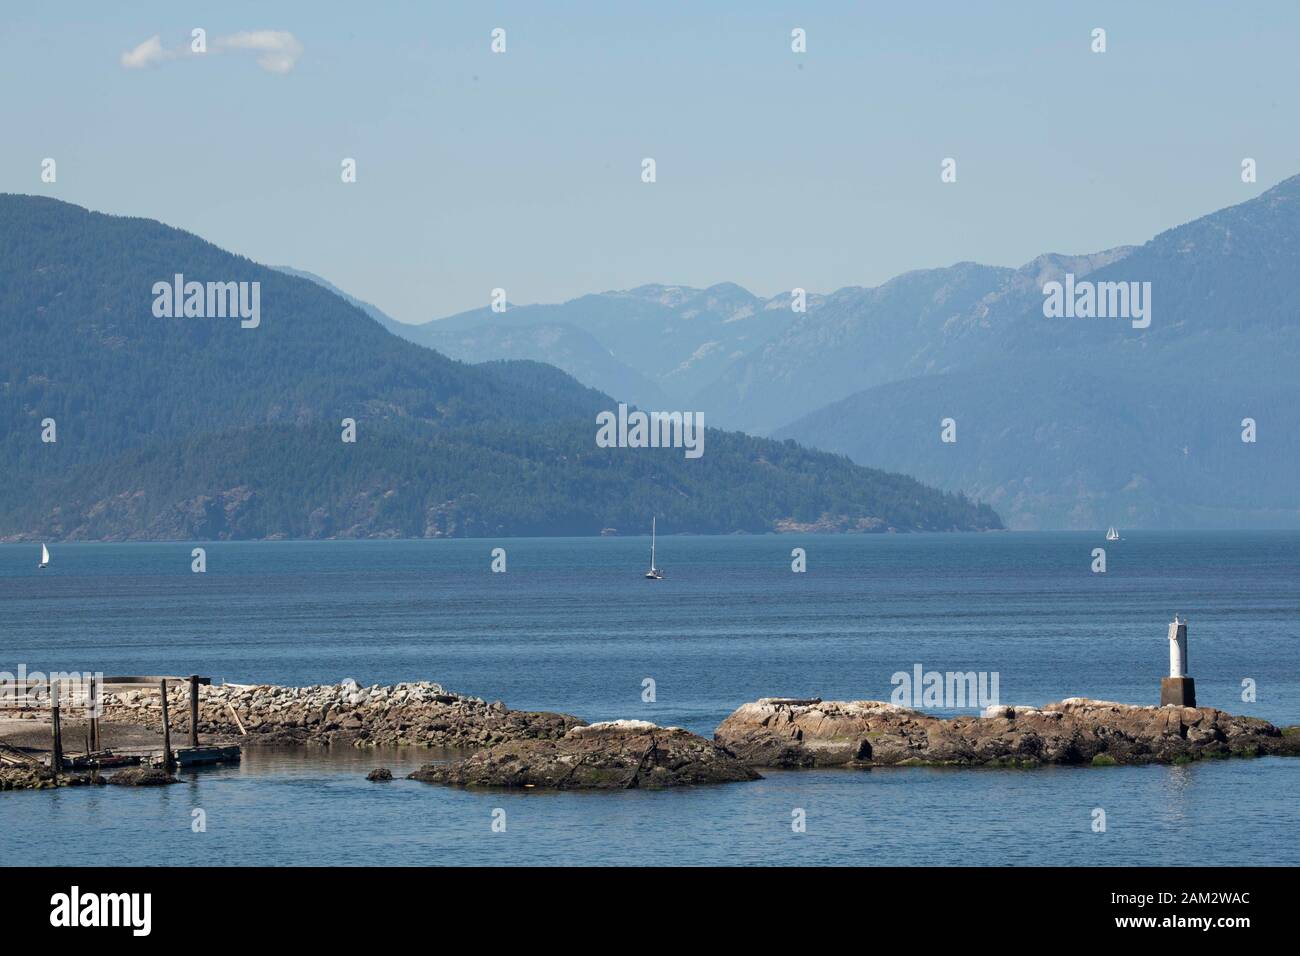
654,573
45,555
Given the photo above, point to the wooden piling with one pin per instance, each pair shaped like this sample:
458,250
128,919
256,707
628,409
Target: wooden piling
194,710
169,758
56,757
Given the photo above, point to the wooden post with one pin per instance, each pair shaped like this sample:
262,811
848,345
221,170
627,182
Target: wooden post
56,758
194,710
238,723
168,764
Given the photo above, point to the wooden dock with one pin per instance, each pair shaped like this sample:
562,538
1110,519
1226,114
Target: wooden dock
206,756
195,754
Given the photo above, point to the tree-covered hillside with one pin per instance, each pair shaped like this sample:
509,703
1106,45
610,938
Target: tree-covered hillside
198,428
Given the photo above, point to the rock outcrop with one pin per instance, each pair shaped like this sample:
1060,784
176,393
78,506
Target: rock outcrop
415,714
617,755
40,778
778,732
142,777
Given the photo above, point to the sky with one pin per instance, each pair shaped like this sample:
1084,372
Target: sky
522,170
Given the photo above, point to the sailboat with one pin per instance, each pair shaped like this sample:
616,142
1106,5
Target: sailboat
45,558
1112,534
654,574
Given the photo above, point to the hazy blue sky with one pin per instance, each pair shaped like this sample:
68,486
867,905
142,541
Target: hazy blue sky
775,170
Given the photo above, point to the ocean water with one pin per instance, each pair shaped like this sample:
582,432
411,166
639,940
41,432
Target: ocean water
572,626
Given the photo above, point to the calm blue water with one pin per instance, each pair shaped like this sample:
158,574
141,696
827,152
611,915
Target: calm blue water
573,627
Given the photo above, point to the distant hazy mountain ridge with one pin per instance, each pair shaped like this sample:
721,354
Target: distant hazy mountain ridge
1064,422
653,346
1090,422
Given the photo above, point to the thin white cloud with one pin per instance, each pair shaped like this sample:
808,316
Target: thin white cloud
150,51
277,51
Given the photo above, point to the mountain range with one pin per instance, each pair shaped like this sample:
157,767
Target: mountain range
118,422
1061,422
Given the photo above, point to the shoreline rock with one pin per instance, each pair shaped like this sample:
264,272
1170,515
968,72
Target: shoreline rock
420,714
616,755
790,733
142,777
41,778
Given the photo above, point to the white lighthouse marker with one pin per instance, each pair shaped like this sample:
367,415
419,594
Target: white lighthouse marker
1177,647
1177,690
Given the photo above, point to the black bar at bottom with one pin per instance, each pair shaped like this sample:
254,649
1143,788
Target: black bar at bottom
315,903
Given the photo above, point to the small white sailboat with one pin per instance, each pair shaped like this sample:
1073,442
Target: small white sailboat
654,574
45,558
1112,534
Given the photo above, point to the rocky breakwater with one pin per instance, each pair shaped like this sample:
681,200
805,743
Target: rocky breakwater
40,778
419,714
779,732
616,755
